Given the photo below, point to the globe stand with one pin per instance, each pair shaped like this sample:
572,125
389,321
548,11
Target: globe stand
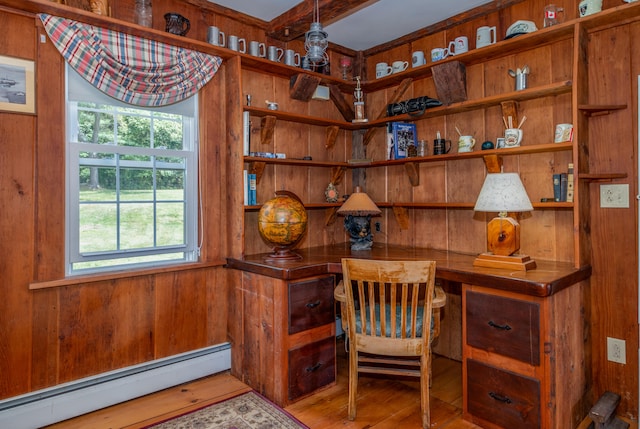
282,254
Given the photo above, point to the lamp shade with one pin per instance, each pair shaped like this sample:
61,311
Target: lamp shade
359,204
503,192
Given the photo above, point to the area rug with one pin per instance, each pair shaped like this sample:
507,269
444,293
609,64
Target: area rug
247,411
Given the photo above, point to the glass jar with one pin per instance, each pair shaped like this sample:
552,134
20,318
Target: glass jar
143,13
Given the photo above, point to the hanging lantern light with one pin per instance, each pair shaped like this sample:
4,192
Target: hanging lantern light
315,41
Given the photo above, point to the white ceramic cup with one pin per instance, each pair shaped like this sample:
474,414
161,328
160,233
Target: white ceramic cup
399,66
589,7
485,36
564,133
512,137
438,54
215,36
459,46
291,58
466,144
237,44
382,70
275,54
417,59
257,49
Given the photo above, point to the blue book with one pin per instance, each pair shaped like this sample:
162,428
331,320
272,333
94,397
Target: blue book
252,190
557,195
404,135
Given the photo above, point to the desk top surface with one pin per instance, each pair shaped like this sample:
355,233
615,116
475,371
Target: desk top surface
548,278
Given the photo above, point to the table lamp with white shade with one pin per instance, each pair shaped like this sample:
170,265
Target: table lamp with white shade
503,193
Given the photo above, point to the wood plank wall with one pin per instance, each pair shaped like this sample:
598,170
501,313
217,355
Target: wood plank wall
55,335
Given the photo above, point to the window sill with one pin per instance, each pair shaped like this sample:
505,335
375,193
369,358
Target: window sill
115,275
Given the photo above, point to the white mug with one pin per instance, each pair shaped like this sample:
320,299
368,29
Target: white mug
417,59
589,7
459,46
257,49
291,58
512,137
438,54
235,44
382,70
275,53
485,36
215,36
466,144
398,66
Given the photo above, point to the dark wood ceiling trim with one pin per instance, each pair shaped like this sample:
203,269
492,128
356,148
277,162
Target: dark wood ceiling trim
295,22
461,18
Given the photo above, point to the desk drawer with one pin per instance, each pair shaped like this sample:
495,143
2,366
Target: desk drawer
311,367
503,398
311,304
506,326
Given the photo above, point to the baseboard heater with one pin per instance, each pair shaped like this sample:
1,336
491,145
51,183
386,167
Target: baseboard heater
64,401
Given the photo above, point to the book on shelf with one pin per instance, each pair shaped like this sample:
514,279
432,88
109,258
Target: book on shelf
390,146
560,187
246,128
563,187
252,189
570,183
404,135
245,179
556,187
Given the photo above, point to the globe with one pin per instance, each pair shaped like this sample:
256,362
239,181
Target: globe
282,222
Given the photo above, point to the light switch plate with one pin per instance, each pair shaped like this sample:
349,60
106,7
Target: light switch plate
614,196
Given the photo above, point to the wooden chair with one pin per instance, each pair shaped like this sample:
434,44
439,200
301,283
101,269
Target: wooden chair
389,341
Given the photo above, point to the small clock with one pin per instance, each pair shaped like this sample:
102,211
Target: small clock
331,193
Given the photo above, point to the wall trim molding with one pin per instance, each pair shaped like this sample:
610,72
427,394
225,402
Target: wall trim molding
64,401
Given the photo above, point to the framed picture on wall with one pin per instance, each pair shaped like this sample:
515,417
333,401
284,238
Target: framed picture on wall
17,85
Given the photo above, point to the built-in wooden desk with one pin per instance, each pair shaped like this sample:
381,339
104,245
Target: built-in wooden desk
524,359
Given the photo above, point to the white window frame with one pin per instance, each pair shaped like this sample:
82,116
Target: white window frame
80,90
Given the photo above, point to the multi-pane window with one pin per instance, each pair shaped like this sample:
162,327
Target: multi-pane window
131,181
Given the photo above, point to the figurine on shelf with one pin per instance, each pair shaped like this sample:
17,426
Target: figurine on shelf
358,103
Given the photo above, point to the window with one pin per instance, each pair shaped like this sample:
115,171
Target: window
131,181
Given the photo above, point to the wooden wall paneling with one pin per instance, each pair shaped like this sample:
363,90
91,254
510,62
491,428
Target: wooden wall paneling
218,305
105,326
181,312
613,148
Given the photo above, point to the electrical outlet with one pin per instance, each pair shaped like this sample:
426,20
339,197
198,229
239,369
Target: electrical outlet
616,350
614,196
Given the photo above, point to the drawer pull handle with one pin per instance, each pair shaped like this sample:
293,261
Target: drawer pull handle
314,367
313,304
500,398
503,327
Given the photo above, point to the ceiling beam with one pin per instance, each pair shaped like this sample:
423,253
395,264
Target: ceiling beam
296,21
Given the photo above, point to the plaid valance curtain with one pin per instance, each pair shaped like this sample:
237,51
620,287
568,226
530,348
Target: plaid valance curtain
131,69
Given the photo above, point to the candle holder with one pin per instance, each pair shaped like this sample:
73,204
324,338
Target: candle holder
345,67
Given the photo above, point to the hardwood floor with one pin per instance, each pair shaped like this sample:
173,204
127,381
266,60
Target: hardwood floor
382,403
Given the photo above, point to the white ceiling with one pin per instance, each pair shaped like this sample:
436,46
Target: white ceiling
379,22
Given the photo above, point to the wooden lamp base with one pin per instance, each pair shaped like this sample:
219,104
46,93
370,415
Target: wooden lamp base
512,262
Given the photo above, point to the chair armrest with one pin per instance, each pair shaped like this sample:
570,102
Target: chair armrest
439,300
339,294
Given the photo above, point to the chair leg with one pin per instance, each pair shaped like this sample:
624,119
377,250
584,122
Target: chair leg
425,370
353,383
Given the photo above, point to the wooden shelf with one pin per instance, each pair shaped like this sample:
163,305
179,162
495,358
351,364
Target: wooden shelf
298,162
601,177
597,109
303,119
461,205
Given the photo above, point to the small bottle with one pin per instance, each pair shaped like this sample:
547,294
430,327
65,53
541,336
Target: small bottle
144,14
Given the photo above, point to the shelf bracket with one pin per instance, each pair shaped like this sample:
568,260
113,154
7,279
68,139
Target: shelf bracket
337,175
597,110
397,94
493,163
257,168
510,108
332,135
413,171
268,124
401,216
302,86
330,216
344,107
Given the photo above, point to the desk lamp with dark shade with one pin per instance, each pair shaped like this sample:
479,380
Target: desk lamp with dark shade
503,193
358,210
